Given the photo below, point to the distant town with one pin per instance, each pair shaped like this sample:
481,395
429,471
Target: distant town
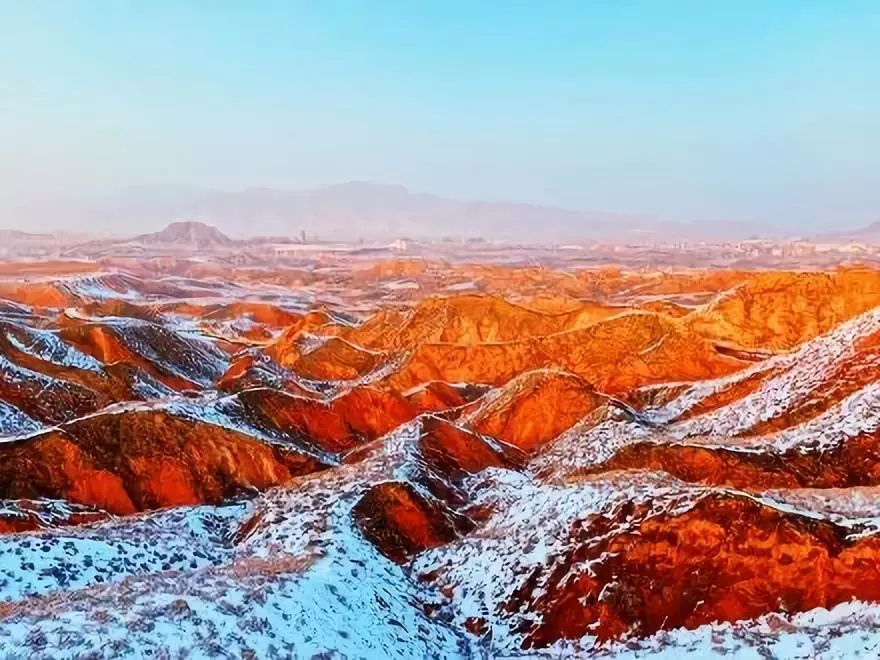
195,238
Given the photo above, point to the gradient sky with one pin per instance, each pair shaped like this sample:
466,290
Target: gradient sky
744,110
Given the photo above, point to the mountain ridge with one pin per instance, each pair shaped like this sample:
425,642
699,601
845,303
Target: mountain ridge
869,233
354,210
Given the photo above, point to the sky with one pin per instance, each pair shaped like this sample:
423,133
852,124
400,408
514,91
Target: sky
754,111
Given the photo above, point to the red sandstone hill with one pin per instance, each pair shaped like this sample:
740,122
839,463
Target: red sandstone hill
614,355
470,320
535,408
782,310
727,558
124,462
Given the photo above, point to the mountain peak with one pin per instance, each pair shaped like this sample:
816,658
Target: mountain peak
189,233
869,233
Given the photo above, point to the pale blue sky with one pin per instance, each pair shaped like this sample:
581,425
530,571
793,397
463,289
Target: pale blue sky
760,111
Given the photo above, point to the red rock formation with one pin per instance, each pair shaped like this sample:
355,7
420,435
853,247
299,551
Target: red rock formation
439,396
535,408
782,310
470,320
400,522
851,462
615,355
136,460
449,449
251,369
334,359
727,558
173,359
358,416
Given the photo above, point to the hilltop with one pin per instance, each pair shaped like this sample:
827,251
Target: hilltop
187,234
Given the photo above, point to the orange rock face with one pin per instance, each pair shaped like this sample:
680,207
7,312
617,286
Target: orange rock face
614,356
535,409
781,310
401,522
449,448
727,559
471,320
335,359
358,416
134,461
853,463
438,396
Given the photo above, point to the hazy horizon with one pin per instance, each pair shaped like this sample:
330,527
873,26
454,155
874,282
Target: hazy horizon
352,211
751,113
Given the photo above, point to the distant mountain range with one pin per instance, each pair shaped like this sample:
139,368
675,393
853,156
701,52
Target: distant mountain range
351,211
10,235
869,234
